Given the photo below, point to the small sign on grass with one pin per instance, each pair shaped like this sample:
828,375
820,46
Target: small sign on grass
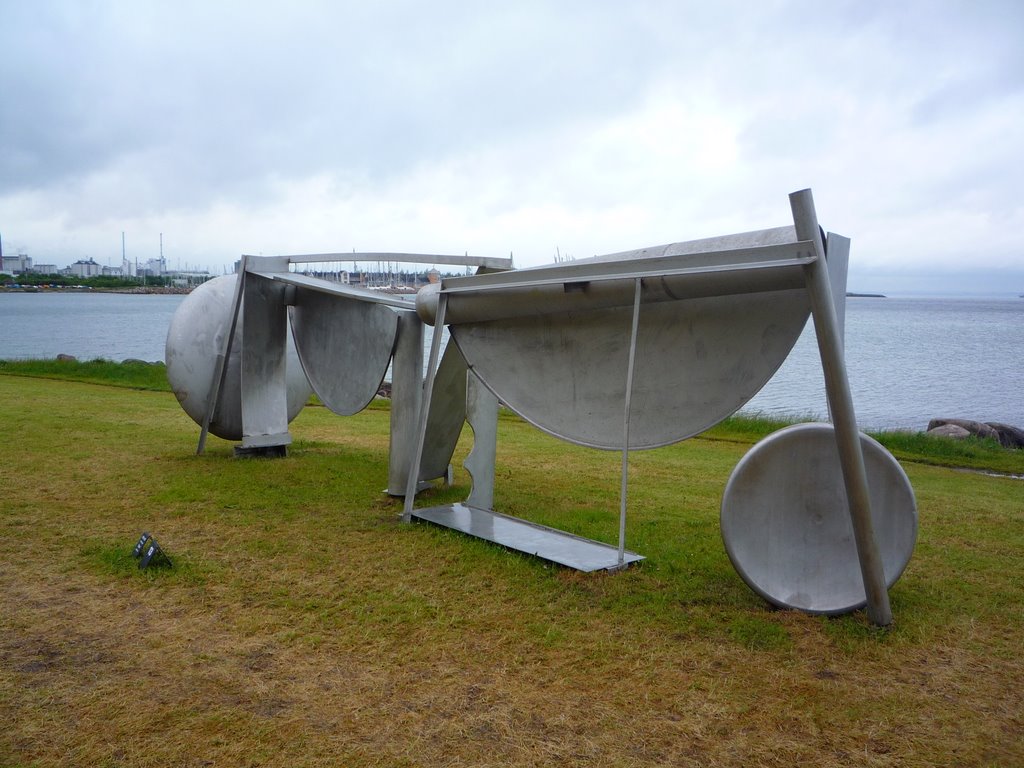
150,553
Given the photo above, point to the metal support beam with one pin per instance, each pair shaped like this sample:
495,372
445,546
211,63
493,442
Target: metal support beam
489,262
424,412
482,416
220,367
264,365
406,395
625,421
840,401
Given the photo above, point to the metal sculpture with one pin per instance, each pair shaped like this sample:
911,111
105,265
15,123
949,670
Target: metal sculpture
645,348
623,352
236,372
195,350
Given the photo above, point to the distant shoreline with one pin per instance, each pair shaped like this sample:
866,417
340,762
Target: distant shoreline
140,289
144,289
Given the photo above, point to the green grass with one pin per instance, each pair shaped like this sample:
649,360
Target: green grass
302,624
971,453
137,375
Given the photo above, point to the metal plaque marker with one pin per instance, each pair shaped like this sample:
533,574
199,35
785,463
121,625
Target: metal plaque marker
153,555
140,545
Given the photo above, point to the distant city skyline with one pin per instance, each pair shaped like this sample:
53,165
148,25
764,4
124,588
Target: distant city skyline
998,282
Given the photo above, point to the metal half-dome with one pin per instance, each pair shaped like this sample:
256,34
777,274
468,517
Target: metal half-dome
195,338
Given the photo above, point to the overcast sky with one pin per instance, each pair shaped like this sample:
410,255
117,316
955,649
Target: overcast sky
530,128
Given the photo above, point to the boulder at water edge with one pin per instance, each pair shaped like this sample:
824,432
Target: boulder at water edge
975,428
949,430
1006,435
1009,437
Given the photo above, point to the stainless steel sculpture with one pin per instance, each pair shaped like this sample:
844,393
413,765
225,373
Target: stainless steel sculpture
623,352
196,344
248,385
645,348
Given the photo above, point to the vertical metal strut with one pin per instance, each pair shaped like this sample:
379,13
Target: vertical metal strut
625,421
424,409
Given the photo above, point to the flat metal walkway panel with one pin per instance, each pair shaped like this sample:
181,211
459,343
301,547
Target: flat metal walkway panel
546,543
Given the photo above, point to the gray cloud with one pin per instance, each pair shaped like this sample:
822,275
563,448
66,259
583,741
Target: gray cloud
591,126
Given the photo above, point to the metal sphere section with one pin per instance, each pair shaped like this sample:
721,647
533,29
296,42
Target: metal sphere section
194,339
786,522
427,299
697,362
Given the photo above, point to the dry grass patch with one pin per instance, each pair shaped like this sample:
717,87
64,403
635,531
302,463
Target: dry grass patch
302,624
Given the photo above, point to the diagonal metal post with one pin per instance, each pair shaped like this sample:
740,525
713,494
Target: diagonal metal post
840,402
424,410
220,366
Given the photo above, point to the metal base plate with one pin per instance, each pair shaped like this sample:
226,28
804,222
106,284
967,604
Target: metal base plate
546,543
261,451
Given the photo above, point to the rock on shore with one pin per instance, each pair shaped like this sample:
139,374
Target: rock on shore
1008,436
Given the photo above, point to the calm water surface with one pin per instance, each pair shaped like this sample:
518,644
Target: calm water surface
912,360
114,326
909,360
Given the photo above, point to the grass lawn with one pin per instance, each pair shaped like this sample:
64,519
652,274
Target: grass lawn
303,625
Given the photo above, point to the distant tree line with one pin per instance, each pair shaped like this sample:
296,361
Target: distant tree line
99,281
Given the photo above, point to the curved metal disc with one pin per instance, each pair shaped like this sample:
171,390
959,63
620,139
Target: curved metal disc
195,338
697,362
447,414
786,523
345,347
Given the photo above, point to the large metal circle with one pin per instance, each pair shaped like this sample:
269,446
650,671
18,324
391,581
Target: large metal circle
194,339
786,524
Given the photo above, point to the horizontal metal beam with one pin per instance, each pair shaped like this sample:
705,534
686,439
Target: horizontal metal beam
591,271
759,237
594,286
541,541
737,271
338,289
490,262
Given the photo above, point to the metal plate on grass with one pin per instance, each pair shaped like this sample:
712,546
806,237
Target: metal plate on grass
533,539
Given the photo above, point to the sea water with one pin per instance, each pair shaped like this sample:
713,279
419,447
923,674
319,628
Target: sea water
85,324
908,360
911,360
